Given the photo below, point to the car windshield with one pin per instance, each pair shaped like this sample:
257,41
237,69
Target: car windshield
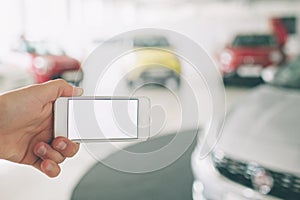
151,42
43,48
288,76
254,40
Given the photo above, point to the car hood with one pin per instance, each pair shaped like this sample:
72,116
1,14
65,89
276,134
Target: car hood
145,59
250,51
158,57
264,128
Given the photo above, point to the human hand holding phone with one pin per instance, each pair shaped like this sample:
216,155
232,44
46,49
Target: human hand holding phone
102,118
26,126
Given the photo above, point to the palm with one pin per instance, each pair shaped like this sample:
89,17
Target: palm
38,122
26,127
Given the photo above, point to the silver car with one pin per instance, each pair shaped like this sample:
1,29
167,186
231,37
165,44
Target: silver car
258,155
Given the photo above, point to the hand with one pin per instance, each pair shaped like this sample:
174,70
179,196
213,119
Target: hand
26,126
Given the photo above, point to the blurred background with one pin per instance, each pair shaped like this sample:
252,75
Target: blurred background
254,43
75,27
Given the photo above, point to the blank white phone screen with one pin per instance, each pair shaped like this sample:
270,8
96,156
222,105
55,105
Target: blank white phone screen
102,119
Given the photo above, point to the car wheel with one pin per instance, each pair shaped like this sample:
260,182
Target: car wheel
134,84
130,83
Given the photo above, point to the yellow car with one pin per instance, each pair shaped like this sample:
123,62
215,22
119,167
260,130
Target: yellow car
154,63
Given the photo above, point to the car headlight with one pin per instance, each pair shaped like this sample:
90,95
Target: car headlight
42,65
226,57
268,73
275,56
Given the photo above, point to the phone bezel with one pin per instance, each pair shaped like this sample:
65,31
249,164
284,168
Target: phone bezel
61,117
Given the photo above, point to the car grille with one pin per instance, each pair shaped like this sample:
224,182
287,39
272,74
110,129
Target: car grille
285,185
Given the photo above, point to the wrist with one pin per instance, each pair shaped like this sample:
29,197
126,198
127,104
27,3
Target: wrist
3,113
3,108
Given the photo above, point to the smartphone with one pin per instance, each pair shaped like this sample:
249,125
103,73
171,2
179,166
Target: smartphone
97,119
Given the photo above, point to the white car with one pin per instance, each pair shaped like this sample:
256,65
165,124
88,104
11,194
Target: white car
258,155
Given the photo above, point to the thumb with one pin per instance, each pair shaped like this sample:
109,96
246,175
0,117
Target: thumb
51,90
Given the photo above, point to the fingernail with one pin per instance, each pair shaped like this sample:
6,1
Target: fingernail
49,167
78,91
42,150
61,145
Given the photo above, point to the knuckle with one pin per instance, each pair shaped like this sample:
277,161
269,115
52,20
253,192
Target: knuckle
62,159
60,81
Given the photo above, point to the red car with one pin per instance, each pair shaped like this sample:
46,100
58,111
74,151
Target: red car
46,61
249,54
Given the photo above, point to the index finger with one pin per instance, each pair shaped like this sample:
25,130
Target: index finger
51,90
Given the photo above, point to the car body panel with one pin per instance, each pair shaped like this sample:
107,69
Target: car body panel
28,52
261,132
59,65
237,55
253,55
268,125
151,58
210,184
152,62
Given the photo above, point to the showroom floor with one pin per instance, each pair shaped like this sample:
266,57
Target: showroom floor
23,182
